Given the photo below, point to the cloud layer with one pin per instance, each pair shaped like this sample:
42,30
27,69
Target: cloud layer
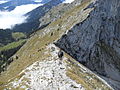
37,0
68,1
2,1
9,19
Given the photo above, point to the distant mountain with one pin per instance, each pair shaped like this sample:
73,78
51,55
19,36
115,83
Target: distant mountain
42,9
34,16
57,12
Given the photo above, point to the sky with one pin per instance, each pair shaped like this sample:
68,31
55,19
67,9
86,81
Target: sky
9,19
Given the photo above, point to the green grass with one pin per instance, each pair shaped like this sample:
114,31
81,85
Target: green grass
18,35
12,45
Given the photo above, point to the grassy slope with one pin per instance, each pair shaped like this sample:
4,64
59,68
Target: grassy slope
12,45
34,49
7,51
18,35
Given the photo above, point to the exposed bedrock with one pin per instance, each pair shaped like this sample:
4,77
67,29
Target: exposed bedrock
95,42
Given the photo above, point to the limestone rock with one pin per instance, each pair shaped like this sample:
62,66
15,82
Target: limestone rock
95,41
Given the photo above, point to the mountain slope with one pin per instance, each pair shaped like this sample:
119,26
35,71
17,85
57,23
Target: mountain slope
40,48
57,12
95,42
5,37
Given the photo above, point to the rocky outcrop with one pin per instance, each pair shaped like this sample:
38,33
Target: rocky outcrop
95,42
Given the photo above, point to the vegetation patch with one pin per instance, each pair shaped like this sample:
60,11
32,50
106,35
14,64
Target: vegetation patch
18,35
12,45
7,51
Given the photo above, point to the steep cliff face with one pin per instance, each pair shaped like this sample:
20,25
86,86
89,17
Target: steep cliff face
95,42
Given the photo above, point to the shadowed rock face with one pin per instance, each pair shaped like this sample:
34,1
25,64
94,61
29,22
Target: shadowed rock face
96,41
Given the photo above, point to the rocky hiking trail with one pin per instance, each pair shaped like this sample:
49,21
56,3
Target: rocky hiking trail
49,74
53,74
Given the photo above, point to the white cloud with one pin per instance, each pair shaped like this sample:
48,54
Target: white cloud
68,1
37,0
2,1
9,19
